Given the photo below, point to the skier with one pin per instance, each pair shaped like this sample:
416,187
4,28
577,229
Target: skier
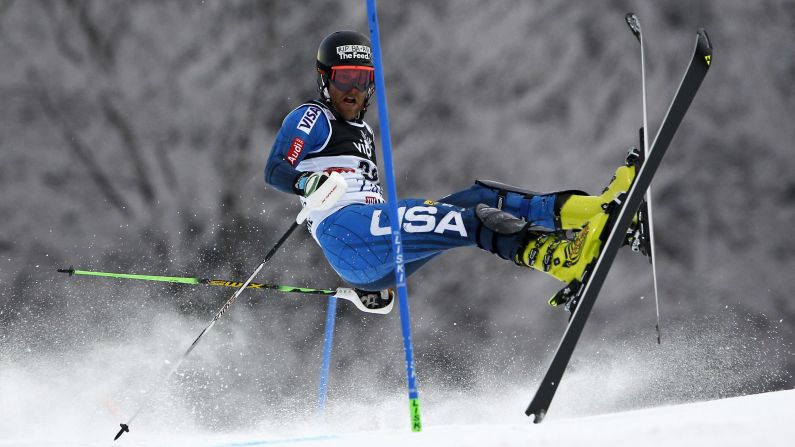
328,135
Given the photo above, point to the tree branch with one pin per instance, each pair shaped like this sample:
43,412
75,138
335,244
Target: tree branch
81,152
130,141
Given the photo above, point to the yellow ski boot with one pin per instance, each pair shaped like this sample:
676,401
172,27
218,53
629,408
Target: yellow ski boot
577,210
567,259
562,258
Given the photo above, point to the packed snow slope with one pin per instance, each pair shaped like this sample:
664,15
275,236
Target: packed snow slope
758,420
763,419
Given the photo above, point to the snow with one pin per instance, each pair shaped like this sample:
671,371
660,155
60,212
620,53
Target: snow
77,394
758,420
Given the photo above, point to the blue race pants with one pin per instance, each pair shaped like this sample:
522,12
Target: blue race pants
357,239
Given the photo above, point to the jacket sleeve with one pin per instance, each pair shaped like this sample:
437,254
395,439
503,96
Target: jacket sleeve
304,130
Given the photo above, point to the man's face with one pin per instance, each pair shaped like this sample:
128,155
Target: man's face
348,87
348,104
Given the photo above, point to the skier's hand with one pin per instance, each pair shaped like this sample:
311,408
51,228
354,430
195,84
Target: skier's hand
309,182
323,197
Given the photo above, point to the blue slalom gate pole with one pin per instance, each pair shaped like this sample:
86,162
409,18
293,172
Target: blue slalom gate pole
331,315
400,271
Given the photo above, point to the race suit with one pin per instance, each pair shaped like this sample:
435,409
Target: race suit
355,234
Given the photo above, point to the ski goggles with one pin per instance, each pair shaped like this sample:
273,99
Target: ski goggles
345,78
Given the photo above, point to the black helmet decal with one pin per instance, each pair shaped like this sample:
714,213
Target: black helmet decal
344,48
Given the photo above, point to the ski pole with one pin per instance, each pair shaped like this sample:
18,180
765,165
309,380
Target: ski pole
634,25
205,281
224,308
330,317
345,293
323,198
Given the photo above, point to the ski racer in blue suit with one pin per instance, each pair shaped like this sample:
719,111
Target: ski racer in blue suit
328,134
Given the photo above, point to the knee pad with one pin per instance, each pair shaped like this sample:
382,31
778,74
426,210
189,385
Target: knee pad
502,233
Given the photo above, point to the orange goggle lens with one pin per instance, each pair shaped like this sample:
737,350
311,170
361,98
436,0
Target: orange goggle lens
346,78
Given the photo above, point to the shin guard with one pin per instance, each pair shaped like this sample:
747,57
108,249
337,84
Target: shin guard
542,210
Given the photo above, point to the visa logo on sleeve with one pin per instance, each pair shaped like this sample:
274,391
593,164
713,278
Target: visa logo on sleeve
309,119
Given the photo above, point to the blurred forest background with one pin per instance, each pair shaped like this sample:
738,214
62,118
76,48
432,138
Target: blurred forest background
134,135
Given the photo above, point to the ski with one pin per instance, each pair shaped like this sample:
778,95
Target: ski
379,302
621,218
